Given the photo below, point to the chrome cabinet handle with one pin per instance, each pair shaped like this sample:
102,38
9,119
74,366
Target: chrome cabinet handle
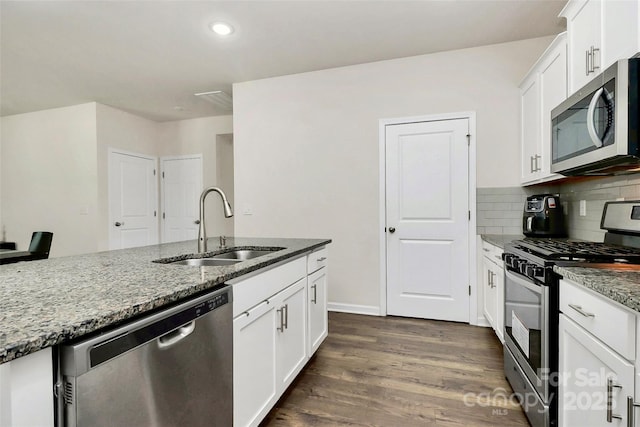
631,406
538,168
586,62
531,164
610,386
286,316
594,67
321,259
486,250
281,327
118,223
581,311
315,294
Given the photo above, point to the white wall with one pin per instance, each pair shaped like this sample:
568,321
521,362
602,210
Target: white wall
200,136
54,169
224,175
306,146
50,177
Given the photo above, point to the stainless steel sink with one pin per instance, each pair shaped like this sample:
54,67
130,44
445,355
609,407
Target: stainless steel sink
243,254
208,262
230,257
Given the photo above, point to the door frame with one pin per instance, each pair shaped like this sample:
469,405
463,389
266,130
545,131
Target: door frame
163,197
382,235
112,150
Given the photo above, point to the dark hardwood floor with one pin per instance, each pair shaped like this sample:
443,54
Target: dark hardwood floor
399,372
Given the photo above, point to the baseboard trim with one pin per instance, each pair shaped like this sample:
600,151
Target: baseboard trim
369,310
482,321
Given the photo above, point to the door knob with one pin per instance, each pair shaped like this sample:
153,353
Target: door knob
392,230
197,221
118,224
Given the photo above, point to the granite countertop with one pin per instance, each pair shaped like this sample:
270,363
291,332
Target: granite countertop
617,282
51,301
500,240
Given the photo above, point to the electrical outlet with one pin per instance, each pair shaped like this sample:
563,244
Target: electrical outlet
583,208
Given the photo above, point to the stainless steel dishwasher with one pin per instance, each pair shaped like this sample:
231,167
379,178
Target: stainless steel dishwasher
172,368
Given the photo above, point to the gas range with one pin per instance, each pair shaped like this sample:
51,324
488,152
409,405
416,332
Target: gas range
532,301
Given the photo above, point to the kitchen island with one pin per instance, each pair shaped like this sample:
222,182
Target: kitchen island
60,300
52,301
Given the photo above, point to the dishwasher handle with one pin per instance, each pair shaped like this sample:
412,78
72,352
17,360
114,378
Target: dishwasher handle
176,336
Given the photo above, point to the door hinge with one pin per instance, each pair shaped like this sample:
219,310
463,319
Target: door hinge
154,172
469,215
162,215
469,139
469,289
155,213
162,174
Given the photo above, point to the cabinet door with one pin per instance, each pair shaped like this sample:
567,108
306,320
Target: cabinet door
291,335
318,320
585,367
620,37
254,364
490,303
553,90
584,33
529,127
498,280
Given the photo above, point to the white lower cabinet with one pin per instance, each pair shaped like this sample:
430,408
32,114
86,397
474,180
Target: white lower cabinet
591,375
269,346
254,364
597,349
291,336
275,335
26,390
318,319
493,287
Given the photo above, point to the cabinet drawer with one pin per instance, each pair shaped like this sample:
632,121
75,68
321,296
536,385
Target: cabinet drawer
610,323
316,260
255,289
493,253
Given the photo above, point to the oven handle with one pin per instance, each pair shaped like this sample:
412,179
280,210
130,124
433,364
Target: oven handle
522,282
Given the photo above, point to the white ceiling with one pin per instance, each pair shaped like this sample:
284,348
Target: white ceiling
150,57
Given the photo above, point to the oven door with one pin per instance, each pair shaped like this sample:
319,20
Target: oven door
526,321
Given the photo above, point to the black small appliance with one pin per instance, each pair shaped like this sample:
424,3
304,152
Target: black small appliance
543,216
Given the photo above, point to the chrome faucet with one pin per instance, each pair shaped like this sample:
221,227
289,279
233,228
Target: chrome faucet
202,232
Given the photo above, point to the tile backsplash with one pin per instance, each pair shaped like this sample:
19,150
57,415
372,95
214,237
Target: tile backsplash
499,210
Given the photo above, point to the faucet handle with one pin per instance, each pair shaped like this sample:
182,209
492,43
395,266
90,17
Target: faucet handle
223,241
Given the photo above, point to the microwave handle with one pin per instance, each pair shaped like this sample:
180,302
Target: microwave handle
591,118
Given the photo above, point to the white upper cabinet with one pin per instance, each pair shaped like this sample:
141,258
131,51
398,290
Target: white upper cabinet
542,89
599,33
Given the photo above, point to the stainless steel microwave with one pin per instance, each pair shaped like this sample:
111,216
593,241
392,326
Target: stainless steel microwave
596,130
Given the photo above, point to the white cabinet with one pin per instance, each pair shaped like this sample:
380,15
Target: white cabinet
317,299
291,336
591,374
318,314
493,287
280,319
542,89
597,349
254,364
270,349
26,390
599,33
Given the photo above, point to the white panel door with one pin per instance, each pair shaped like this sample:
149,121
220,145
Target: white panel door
132,200
181,188
427,219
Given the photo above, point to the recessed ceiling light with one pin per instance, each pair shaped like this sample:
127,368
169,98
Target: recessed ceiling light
221,28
